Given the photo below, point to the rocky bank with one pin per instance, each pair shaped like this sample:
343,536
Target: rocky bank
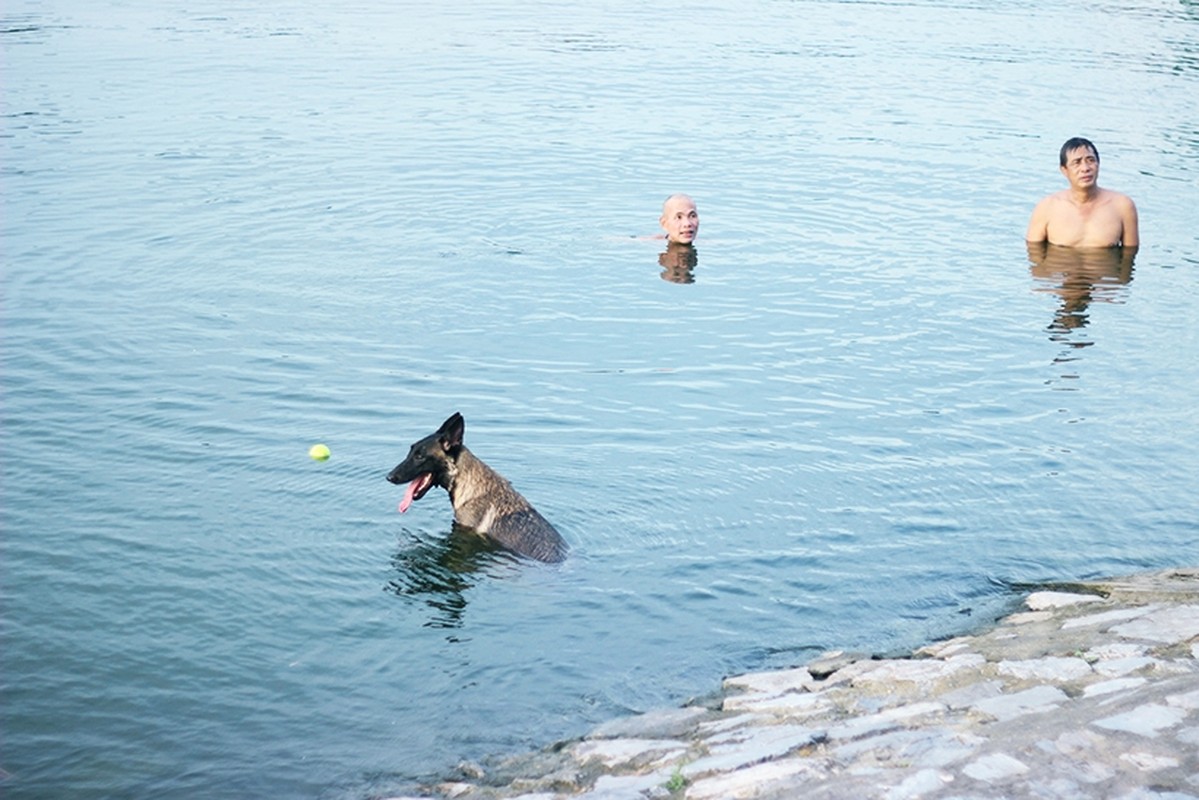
1092,692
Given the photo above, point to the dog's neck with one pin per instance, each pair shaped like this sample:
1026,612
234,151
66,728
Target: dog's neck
466,477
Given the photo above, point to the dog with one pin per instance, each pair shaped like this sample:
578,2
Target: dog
482,499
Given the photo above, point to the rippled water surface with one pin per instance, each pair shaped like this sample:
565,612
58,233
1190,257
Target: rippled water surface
858,420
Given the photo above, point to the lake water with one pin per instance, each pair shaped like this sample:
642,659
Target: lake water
861,420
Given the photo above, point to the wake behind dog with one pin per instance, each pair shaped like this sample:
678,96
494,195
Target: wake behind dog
482,499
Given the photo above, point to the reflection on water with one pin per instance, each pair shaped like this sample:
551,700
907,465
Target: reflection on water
1080,276
678,262
249,242
441,570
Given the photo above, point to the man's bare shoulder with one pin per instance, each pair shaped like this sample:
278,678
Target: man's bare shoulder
1049,202
1118,199
1057,198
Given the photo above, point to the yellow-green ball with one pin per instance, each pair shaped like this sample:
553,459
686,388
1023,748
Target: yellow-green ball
318,452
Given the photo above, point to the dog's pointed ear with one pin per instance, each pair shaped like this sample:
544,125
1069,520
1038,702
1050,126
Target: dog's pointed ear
451,431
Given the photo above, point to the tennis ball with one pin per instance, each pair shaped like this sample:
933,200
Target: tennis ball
318,452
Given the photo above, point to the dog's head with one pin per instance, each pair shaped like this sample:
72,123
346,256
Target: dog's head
432,461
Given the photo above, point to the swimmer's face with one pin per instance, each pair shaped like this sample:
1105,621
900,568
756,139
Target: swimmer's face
680,220
1081,167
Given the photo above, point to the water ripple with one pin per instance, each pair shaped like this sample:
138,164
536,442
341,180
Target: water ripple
864,420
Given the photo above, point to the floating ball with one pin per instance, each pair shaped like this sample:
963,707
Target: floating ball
318,452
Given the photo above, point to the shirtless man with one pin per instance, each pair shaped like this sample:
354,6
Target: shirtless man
680,219
1084,215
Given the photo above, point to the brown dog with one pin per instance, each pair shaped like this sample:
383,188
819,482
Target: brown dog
482,499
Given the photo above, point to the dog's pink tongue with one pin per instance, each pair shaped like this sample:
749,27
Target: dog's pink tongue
408,495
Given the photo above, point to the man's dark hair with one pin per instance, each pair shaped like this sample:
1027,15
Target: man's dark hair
1072,145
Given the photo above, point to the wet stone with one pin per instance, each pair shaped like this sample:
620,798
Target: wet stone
850,672
945,649
1142,793
622,787
971,694
1148,762
919,784
1085,770
776,682
752,781
1074,743
1113,686
1168,625
1039,601
1115,650
828,663
863,726
1106,618
934,748
921,672
613,752
762,744
1057,788
882,747
793,704
1147,720
995,768
882,721
1122,666
453,789
1030,701
730,727
1187,700
651,725
1052,669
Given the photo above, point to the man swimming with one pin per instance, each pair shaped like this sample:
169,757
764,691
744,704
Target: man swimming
680,219
1084,215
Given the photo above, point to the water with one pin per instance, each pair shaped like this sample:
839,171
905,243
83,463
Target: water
233,231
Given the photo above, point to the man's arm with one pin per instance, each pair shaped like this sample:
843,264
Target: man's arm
1131,235
1036,251
1038,224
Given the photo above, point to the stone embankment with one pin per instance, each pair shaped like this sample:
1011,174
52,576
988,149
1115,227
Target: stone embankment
1092,692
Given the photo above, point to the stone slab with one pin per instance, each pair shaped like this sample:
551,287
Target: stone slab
1039,601
1038,699
1167,625
995,768
1147,720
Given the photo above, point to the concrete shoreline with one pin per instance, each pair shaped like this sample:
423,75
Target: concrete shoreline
1092,692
